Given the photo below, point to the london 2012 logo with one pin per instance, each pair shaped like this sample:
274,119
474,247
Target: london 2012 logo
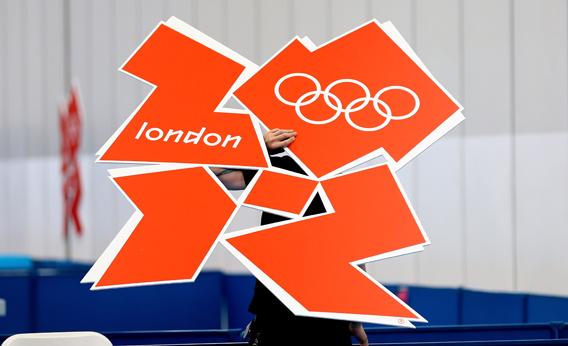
377,100
354,106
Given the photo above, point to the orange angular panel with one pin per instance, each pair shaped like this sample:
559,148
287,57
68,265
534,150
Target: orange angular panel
348,98
297,192
371,218
184,211
177,123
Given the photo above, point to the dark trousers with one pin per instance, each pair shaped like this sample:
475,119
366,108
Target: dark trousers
278,331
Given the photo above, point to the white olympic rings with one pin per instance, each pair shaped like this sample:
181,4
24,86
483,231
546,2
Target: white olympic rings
338,107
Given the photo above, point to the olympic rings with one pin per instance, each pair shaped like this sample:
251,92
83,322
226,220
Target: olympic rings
312,96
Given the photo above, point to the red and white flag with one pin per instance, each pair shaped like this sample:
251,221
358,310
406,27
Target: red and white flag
70,122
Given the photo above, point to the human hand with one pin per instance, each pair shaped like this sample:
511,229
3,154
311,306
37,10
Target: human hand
276,138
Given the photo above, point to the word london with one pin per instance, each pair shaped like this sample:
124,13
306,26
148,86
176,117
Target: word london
210,139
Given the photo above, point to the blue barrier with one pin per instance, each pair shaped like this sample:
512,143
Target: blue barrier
176,337
49,297
439,306
239,290
507,334
16,289
493,308
522,334
543,308
563,331
465,333
464,343
53,299
63,304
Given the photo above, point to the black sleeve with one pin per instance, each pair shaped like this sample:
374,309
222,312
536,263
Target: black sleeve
287,163
265,302
248,174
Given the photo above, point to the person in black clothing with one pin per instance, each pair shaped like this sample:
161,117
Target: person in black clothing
275,324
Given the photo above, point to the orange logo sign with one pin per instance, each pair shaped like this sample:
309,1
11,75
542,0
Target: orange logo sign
362,95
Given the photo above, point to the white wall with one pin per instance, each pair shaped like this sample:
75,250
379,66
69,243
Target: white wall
492,195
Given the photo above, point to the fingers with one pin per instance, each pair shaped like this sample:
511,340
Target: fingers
277,132
277,138
288,141
284,135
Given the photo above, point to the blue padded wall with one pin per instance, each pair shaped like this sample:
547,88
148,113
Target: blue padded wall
546,309
239,290
492,308
439,306
63,304
17,290
49,297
